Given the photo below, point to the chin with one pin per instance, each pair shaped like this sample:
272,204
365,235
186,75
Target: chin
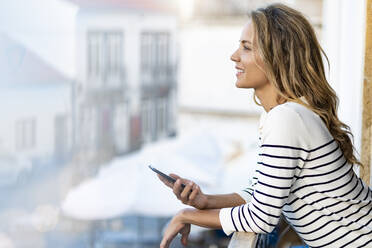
242,86
238,84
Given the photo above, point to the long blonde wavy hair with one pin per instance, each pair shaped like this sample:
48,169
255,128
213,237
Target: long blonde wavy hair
292,57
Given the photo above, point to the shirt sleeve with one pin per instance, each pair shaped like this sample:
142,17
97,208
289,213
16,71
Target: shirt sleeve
283,150
246,193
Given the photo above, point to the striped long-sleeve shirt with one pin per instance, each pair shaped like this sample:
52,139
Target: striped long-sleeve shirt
302,174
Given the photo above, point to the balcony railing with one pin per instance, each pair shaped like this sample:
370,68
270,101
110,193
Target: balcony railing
158,75
107,79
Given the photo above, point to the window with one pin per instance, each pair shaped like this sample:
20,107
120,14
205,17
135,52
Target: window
121,127
162,116
154,118
154,57
146,120
25,134
105,61
95,55
163,54
113,57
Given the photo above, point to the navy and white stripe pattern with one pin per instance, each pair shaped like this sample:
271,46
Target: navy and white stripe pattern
302,174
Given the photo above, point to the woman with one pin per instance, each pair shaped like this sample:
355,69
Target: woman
305,164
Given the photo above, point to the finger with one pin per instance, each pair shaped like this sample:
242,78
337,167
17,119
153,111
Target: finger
195,191
185,234
186,192
166,182
164,243
174,175
177,189
184,239
183,180
167,239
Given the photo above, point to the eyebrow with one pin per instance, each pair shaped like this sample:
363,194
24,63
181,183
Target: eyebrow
245,41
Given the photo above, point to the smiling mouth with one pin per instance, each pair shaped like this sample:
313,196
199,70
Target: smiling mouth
239,72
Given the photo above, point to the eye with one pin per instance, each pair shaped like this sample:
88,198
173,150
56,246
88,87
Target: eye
247,48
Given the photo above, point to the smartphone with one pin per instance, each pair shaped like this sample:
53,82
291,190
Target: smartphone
168,178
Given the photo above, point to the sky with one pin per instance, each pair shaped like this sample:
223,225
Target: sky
46,27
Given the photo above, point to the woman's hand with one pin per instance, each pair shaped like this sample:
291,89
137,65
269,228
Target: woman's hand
175,226
191,195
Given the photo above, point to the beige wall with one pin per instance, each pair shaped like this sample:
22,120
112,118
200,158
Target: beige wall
366,153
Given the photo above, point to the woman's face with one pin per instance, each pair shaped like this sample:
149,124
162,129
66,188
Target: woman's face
248,64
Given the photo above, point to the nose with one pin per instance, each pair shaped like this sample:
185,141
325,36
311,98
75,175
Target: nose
234,57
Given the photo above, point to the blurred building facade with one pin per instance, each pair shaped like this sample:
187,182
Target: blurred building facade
36,107
125,91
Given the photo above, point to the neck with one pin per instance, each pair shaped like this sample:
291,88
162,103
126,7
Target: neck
267,96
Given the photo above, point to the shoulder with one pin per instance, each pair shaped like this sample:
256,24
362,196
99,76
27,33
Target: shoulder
284,115
284,125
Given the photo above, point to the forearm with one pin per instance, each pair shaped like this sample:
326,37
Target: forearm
205,218
224,201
